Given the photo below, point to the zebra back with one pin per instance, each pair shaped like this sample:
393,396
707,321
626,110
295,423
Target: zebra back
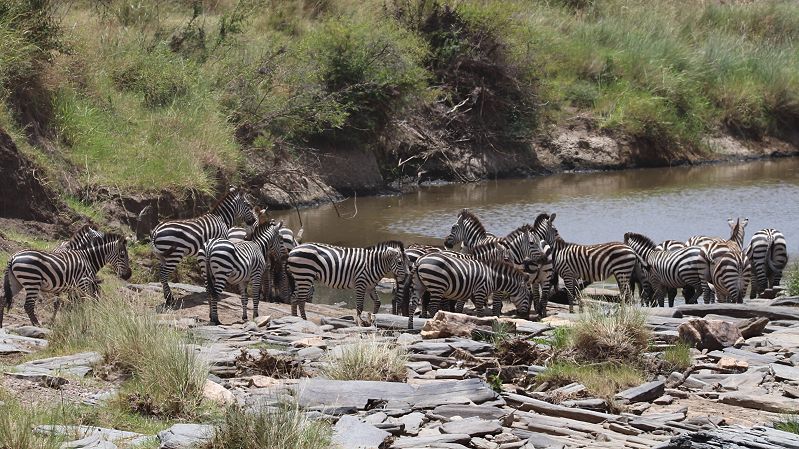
80,239
670,245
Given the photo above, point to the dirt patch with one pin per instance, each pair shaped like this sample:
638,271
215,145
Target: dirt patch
77,391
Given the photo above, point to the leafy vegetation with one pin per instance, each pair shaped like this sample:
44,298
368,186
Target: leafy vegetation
16,423
150,95
284,428
790,423
368,358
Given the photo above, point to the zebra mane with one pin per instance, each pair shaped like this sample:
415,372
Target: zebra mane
228,192
83,230
539,221
466,214
639,240
389,243
515,233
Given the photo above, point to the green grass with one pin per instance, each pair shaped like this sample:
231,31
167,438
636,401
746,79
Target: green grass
679,356
616,333
16,424
602,380
86,209
284,428
367,358
792,280
166,377
790,423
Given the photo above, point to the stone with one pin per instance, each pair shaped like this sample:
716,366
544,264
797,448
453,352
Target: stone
352,433
753,327
262,321
317,342
467,411
217,393
89,436
375,418
78,365
419,367
42,378
451,373
643,393
412,421
785,372
31,331
407,339
186,436
429,441
473,427
758,399
260,381
6,349
312,353
732,363
709,334
664,400
448,324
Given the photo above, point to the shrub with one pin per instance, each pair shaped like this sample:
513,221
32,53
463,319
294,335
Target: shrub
367,359
616,333
602,380
158,75
678,357
284,428
166,376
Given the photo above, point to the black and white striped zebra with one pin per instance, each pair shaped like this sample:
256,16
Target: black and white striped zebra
338,267
730,269
43,271
175,239
768,255
469,231
545,282
80,239
457,277
590,263
280,290
413,252
241,263
687,291
665,270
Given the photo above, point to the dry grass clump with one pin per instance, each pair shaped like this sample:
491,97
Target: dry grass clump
166,377
367,359
286,427
602,380
615,334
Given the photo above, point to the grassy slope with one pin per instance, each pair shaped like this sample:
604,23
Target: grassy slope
148,94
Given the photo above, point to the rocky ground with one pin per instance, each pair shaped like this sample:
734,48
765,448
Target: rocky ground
745,379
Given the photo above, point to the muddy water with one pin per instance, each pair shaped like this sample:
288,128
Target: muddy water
662,203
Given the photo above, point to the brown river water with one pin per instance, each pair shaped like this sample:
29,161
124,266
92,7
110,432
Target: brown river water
662,203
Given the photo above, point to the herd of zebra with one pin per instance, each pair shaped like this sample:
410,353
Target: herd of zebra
524,266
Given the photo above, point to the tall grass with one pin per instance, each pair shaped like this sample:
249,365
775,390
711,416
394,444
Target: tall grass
284,428
16,428
678,356
166,376
368,358
792,280
603,380
615,333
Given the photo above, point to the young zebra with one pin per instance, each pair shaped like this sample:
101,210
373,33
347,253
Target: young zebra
729,272
42,271
337,267
175,239
80,239
768,254
241,262
665,270
590,263
456,277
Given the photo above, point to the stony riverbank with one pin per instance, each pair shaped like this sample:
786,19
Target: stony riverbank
463,389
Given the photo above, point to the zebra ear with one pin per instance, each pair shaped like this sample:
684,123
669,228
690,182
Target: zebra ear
745,221
231,189
552,217
731,222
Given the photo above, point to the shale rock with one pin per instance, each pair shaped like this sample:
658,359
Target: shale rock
709,334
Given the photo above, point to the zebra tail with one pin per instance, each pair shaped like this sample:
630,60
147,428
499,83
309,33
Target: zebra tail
404,301
7,292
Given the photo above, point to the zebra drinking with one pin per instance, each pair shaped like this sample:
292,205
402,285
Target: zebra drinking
43,271
590,263
175,239
338,267
768,254
241,262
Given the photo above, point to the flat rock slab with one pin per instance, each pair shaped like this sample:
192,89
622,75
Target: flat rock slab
747,356
90,442
760,400
644,393
6,349
31,331
76,365
435,441
356,394
785,372
475,427
41,378
185,436
468,411
89,434
740,311
352,433
446,346
758,437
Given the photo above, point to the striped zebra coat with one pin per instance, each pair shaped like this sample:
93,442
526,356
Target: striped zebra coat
687,290
456,277
590,263
730,269
241,262
337,267
175,239
280,290
401,302
664,270
546,280
42,271
81,239
768,254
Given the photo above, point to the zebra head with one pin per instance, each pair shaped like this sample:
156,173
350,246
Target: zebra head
268,236
117,255
392,254
235,204
550,232
467,230
738,230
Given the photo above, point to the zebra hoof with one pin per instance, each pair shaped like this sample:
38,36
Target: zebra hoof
215,322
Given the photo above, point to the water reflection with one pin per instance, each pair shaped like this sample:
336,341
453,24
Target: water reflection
592,207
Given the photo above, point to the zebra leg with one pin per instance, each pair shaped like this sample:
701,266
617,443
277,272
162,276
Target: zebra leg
31,295
375,300
459,305
479,300
244,300
257,279
302,293
496,304
165,270
571,291
360,293
709,296
759,281
624,290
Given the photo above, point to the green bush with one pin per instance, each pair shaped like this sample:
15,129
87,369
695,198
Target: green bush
158,75
678,357
284,428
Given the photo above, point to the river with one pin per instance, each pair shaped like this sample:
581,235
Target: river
662,203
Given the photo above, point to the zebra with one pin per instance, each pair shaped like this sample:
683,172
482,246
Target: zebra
458,277
545,282
590,263
175,239
729,272
42,271
338,267
665,270
241,262
238,233
279,288
413,252
768,254
687,290
80,239
469,231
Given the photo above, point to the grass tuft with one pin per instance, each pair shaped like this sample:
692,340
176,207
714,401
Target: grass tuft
789,423
16,425
618,333
367,359
792,281
284,428
678,357
602,380
166,376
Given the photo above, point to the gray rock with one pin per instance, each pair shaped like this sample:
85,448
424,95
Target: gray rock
472,427
643,393
412,421
41,378
310,353
90,442
89,435
420,367
468,411
185,436
76,365
451,373
6,348
352,433
760,400
785,372
429,441
31,331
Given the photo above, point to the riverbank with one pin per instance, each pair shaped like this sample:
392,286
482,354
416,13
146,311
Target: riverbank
464,383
